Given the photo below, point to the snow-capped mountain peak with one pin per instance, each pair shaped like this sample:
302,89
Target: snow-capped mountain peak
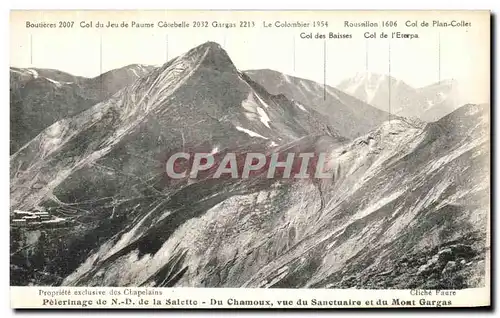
395,96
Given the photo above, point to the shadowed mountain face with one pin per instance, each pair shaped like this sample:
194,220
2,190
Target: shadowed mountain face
40,97
428,103
406,207
350,116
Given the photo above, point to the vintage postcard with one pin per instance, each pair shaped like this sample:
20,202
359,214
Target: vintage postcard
249,159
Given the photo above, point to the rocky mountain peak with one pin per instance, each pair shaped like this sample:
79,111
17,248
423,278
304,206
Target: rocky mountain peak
213,56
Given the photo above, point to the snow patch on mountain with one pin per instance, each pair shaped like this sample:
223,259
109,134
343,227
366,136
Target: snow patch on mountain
58,84
214,150
250,132
254,111
263,117
262,102
135,73
33,72
301,107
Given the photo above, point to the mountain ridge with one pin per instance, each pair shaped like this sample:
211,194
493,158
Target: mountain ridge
40,97
351,116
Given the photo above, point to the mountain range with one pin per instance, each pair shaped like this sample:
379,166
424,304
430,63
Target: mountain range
407,206
351,116
40,97
428,103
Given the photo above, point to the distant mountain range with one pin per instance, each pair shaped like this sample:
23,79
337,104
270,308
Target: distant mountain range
352,117
407,206
428,103
40,97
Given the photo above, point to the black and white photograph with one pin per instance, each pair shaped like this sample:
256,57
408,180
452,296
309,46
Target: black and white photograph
274,151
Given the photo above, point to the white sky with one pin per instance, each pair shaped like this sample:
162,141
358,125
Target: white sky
464,51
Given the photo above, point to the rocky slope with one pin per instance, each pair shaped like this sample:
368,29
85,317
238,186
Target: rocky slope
40,97
428,103
407,208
